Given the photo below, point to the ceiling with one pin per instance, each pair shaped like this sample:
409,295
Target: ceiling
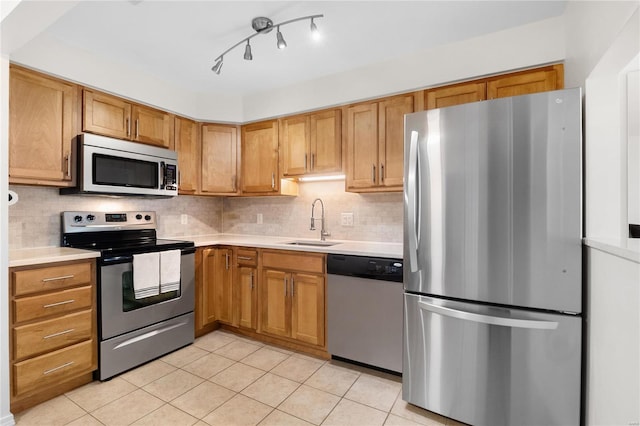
178,41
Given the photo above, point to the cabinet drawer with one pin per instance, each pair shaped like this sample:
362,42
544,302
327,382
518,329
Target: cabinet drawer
51,334
51,278
247,257
60,302
295,261
53,368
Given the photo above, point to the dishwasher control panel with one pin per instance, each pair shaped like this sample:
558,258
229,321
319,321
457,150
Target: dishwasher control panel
377,268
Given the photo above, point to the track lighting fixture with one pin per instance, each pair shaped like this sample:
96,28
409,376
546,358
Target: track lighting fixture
264,25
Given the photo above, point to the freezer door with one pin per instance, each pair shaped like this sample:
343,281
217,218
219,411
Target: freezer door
492,201
491,366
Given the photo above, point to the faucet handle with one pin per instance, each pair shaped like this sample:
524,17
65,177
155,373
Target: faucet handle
313,225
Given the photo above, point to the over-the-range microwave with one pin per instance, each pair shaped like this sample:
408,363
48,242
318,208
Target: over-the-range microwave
107,166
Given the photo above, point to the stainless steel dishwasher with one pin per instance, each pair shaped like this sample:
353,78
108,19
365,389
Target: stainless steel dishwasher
364,310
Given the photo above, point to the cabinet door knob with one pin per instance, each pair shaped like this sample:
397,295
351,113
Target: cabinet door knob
373,173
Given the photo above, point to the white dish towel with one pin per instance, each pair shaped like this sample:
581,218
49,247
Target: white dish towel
169,270
146,274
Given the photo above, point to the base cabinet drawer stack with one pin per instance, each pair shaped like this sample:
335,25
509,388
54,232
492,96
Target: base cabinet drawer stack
53,330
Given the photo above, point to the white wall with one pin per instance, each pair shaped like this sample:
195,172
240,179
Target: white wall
602,39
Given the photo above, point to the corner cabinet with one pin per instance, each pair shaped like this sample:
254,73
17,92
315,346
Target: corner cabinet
311,143
214,297
218,160
375,144
52,324
292,296
42,125
115,117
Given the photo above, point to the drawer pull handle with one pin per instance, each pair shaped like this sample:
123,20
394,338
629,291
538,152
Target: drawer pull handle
58,368
245,258
63,277
60,333
64,302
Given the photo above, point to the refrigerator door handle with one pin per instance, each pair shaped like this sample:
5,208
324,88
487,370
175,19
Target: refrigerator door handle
488,319
412,202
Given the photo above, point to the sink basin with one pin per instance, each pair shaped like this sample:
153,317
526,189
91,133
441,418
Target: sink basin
311,243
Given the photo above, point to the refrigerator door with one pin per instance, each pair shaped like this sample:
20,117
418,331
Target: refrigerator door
491,366
492,201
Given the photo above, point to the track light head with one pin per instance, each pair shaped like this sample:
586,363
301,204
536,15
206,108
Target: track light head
281,43
218,66
315,34
247,52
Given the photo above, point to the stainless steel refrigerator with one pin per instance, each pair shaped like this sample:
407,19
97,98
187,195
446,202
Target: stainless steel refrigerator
493,260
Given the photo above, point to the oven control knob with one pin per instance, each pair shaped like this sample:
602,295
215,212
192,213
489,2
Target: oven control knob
91,217
77,218
147,217
138,216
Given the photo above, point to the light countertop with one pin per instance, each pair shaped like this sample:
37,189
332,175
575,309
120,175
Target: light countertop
40,255
357,248
627,248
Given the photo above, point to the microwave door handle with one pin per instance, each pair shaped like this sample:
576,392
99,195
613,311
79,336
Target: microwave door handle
163,175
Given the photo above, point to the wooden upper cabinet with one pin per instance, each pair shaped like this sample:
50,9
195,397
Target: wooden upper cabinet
187,144
456,94
326,141
295,134
219,159
106,115
526,82
42,126
112,116
312,143
391,114
362,146
375,144
259,155
152,126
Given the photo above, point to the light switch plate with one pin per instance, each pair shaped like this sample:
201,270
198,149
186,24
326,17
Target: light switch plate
346,219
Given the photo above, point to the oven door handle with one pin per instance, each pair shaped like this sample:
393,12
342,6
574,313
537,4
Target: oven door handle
114,260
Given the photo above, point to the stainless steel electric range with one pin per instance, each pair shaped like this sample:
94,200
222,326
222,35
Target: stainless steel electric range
146,286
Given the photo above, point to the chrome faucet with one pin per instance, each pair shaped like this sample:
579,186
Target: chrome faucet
323,231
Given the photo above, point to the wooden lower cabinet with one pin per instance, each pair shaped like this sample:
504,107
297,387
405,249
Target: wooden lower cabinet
292,296
272,295
52,324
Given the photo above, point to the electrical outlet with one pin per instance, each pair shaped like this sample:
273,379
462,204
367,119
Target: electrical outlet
259,219
346,219
184,219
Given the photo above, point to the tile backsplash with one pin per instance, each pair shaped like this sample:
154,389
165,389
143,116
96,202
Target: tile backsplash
35,220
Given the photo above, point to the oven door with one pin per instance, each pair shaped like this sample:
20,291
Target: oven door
121,312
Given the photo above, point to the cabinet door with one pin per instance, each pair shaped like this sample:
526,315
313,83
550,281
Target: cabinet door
247,297
526,82
326,142
207,300
294,140
219,159
152,127
188,148
456,94
391,140
106,115
260,158
223,285
42,125
307,308
275,305
362,146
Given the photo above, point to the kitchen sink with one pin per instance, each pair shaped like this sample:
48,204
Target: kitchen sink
311,243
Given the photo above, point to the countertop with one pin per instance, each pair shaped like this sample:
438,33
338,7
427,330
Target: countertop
43,255
357,248
40,255
627,248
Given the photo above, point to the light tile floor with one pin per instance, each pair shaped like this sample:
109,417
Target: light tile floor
224,379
